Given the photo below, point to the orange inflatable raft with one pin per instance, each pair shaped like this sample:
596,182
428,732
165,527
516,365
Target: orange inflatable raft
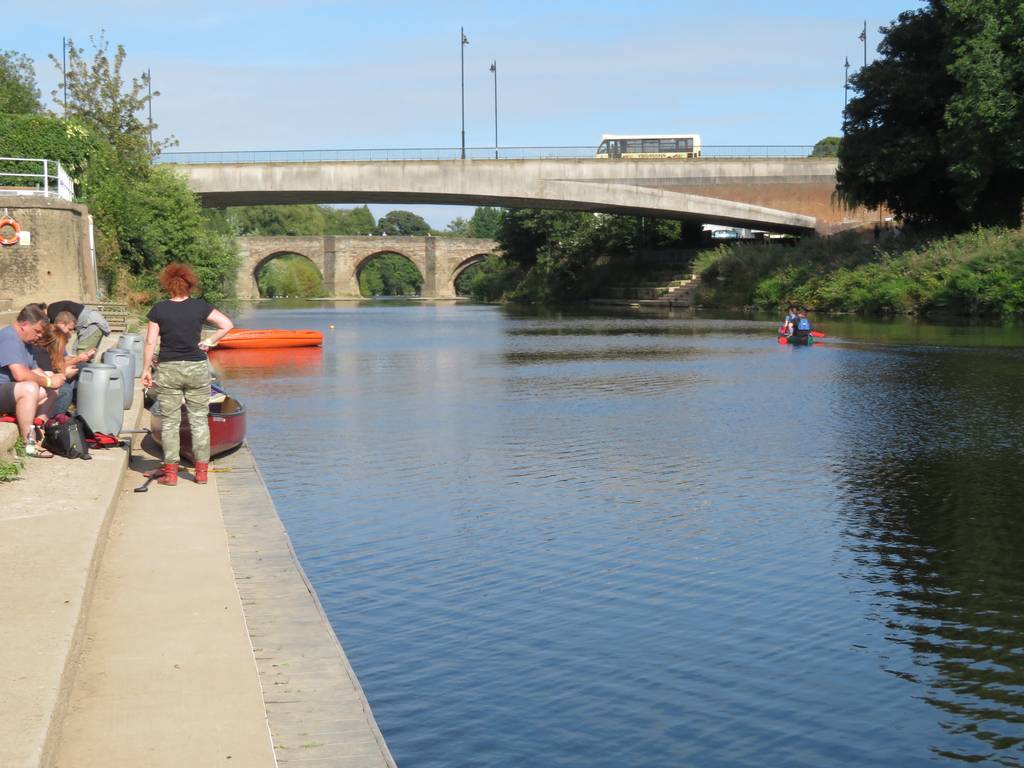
269,338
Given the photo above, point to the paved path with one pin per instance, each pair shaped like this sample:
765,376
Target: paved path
53,522
139,631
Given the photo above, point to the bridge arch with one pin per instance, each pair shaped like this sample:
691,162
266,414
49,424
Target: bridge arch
264,262
365,261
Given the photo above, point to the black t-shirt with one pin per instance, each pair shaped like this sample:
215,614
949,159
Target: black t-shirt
52,310
181,324
42,356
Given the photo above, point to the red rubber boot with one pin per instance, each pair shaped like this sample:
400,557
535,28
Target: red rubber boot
169,476
202,467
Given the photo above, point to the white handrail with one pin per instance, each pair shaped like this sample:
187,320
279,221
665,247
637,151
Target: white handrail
53,181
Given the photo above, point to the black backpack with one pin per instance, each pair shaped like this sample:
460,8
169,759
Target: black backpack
65,436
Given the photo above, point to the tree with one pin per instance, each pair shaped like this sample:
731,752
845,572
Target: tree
827,147
19,93
390,274
457,227
402,223
486,222
937,131
100,97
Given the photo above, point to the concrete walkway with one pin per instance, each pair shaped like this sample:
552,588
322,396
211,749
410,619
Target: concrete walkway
127,643
166,676
53,523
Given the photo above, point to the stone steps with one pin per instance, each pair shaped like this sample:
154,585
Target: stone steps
675,292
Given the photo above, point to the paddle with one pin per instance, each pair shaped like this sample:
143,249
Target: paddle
818,334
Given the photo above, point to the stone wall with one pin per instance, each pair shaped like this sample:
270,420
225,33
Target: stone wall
57,262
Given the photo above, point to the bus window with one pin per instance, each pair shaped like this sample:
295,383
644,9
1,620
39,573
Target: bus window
633,146
669,145
603,149
650,146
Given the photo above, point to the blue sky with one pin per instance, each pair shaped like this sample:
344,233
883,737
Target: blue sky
315,74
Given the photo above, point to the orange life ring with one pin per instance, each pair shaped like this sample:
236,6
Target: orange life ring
7,221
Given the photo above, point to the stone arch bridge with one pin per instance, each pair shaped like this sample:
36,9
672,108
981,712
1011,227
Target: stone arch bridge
340,259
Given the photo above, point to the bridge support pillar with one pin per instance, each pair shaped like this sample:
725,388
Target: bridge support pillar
429,289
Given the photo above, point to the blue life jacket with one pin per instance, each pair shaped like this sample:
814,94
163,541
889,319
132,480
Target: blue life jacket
803,324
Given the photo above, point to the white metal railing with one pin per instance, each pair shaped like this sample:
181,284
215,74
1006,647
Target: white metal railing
456,153
35,176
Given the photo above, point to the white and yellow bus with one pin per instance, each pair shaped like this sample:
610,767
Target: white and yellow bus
660,147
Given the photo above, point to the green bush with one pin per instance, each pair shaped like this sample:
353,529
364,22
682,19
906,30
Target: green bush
290,275
47,137
980,272
390,274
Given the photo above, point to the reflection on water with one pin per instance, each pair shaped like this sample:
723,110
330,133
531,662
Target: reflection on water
567,539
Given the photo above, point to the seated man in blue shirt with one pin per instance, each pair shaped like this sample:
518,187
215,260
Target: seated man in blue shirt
22,384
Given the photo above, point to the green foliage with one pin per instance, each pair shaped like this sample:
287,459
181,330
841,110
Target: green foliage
402,223
297,220
154,220
9,470
100,97
19,93
457,227
980,272
290,275
564,255
827,147
389,274
493,278
486,223
937,130
78,148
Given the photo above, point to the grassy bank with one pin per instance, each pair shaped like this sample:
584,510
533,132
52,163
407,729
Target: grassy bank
976,273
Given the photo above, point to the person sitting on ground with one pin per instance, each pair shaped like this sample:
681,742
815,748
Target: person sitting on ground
90,325
801,328
49,353
22,384
184,369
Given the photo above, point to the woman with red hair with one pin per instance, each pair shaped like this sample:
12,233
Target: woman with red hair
184,375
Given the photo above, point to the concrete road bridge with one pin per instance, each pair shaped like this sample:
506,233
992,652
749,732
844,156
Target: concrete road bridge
783,194
440,260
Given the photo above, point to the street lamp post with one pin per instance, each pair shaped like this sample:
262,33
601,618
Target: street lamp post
149,103
463,42
494,69
864,39
846,87
64,71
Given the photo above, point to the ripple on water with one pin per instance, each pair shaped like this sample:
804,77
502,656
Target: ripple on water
615,541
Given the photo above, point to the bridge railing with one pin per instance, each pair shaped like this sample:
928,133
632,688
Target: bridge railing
455,153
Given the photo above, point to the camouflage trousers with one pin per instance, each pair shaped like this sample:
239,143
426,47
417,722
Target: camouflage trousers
188,382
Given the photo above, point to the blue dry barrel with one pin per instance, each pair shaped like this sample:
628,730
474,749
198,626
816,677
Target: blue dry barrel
125,361
101,398
134,343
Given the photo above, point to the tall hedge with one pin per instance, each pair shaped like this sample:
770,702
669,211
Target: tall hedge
49,138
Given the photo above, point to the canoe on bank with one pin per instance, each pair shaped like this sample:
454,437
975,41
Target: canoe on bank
227,427
269,338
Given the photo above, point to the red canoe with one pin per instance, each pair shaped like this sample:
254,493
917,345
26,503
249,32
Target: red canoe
269,338
227,427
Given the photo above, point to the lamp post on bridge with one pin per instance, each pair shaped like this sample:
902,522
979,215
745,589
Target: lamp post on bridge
846,89
463,42
494,69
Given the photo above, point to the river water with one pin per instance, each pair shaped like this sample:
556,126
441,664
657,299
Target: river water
554,539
